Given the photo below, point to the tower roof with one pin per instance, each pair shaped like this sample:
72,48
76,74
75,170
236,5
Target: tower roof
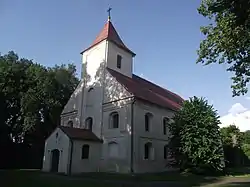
108,32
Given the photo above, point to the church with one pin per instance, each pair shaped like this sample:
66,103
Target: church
115,121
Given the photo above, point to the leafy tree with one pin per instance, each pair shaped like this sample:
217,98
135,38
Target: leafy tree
32,97
196,142
246,137
31,100
232,140
232,136
246,150
227,39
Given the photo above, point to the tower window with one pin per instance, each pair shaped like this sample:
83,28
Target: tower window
119,61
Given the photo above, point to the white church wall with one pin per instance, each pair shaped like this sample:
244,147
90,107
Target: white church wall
91,164
127,59
116,154
155,136
72,107
93,60
98,92
119,136
57,140
93,108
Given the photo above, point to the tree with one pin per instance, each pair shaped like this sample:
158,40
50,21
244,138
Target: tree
31,99
232,136
232,140
227,39
246,137
195,140
32,95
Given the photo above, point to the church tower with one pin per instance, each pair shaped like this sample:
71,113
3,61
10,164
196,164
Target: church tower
107,51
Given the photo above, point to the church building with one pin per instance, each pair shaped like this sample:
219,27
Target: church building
115,121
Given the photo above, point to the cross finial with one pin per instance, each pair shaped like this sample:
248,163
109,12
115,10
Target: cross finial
109,10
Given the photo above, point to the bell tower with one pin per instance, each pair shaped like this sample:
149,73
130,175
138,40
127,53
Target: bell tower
107,51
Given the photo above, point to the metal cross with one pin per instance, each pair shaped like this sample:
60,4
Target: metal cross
109,10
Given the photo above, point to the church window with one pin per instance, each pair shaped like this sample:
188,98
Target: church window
165,125
113,150
70,123
85,151
114,120
165,151
89,123
148,151
148,120
119,61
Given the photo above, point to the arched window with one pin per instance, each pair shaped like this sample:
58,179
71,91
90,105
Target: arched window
114,120
89,123
113,150
90,89
85,151
148,121
165,151
70,123
148,151
165,123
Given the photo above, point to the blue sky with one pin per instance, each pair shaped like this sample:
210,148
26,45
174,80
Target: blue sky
164,34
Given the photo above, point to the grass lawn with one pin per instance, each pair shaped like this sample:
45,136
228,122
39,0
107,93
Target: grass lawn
25,178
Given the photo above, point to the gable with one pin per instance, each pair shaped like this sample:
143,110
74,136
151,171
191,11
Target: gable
148,91
56,135
73,103
114,90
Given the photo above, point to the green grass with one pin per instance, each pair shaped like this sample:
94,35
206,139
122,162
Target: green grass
25,178
37,179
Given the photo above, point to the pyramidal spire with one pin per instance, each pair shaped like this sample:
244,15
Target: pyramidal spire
109,33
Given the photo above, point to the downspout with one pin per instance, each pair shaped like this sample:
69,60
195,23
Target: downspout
132,138
70,157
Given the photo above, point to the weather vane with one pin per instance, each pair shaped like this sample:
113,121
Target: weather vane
109,16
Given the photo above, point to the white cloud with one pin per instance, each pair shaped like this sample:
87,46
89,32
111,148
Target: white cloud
248,98
237,108
237,115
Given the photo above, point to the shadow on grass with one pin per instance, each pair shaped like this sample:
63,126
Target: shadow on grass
239,171
24,178
173,178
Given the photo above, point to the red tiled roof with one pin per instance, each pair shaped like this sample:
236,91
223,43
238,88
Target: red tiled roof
108,32
80,134
148,91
